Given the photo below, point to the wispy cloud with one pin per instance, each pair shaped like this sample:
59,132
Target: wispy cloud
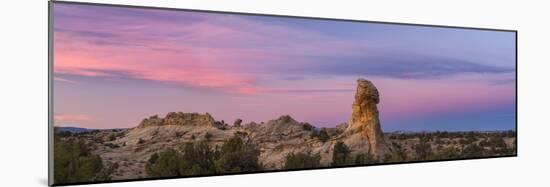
208,54
403,66
226,53
64,80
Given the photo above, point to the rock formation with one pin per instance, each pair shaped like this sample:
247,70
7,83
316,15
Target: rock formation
364,117
275,139
179,118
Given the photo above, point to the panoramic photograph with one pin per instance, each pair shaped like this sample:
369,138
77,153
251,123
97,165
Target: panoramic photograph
152,93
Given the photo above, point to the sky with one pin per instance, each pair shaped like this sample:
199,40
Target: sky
114,66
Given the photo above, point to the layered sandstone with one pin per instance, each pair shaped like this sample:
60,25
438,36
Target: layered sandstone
178,118
364,118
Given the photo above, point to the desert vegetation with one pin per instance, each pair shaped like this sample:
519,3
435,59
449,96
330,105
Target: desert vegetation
76,162
200,159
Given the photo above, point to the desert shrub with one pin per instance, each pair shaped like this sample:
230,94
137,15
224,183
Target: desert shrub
198,159
178,134
153,158
307,127
504,151
443,134
194,159
402,137
237,122
472,151
314,134
302,160
447,153
98,140
167,164
105,173
423,149
398,153
471,137
219,125
140,141
73,162
237,156
465,141
494,142
241,134
510,134
112,146
323,135
207,136
340,154
366,158
112,137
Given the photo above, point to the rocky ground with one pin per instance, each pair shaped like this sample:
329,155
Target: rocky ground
131,148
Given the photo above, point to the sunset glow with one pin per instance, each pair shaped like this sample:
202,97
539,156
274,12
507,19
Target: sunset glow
114,66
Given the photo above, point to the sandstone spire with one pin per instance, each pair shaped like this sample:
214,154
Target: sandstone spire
364,117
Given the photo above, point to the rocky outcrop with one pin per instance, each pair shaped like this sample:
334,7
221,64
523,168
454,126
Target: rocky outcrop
179,118
275,139
364,118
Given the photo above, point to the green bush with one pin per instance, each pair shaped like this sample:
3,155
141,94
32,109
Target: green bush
447,153
398,153
307,127
201,159
198,159
341,154
323,135
236,156
363,159
207,136
73,162
194,159
423,149
167,164
472,151
112,137
302,160
237,122
140,141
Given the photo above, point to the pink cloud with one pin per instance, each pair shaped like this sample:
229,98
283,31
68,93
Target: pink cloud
216,54
72,118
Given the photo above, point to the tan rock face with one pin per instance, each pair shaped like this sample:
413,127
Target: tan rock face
179,118
364,117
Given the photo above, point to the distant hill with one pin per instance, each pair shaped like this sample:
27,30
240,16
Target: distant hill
72,129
